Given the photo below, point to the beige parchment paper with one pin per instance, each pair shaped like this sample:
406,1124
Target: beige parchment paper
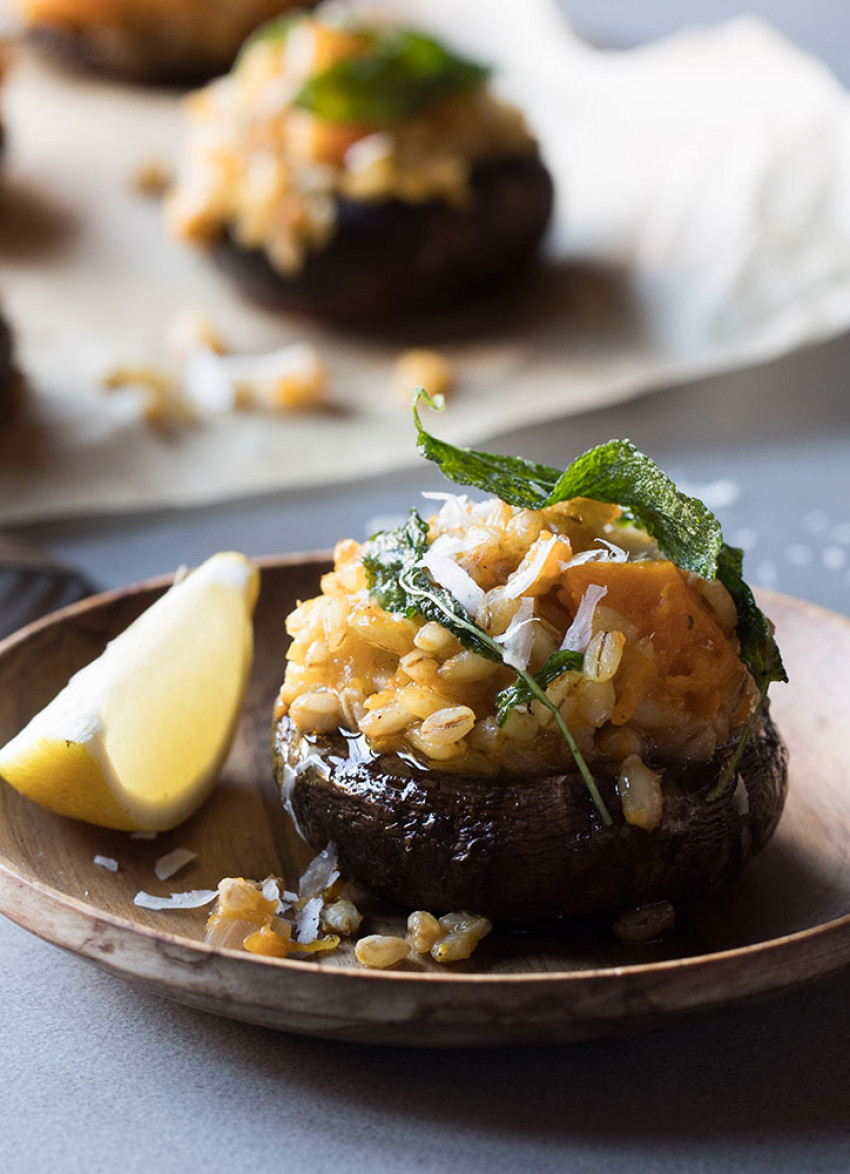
703,222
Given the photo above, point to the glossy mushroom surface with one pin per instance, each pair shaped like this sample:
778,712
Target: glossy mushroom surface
523,849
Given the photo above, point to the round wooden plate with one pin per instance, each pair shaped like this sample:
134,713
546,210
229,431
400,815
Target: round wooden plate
786,920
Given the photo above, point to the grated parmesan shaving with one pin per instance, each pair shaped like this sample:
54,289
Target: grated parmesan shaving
320,873
307,920
523,577
193,899
446,573
454,512
518,638
106,862
169,864
578,634
617,554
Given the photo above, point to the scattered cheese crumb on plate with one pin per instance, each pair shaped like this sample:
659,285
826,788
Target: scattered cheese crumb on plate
193,899
169,864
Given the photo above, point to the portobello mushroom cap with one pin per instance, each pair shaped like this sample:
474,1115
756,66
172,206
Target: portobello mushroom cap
9,378
525,849
149,61
391,258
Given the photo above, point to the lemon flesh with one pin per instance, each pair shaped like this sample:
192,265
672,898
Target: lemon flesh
136,739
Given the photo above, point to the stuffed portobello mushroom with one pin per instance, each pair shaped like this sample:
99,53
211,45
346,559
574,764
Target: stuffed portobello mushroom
358,172
156,41
547,704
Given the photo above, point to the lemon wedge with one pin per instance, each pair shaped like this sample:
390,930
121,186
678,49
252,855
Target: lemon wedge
136,739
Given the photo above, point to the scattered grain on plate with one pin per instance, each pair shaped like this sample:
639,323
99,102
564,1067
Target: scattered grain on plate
171,863
163,404
422,368
193,899
151,178
645,924
381,951
106,862
342,917
423,930
190,330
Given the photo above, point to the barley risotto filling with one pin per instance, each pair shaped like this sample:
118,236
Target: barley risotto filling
661,681
270,172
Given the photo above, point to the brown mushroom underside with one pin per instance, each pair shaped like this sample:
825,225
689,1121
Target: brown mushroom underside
390,258
150,56
521,849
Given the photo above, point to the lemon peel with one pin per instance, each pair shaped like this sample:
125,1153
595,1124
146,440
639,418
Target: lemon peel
136,739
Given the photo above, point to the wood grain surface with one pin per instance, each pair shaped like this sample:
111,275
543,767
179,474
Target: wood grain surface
786,920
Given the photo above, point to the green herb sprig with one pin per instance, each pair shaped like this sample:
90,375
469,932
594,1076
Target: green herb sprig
685,529
401,585
399,73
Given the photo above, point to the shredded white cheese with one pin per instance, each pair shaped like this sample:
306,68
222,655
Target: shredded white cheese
446,573
106,862
518,638
577,636
525,576
166,866
320,873
193,899
307,920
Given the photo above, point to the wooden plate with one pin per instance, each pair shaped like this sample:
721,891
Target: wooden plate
785,921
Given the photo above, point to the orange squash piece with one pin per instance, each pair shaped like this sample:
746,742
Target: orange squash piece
691,661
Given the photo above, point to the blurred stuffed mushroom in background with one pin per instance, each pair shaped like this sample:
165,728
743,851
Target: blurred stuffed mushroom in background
182,42
10,380
359,172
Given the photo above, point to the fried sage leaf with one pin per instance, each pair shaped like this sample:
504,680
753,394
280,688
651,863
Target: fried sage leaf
685,529
398,73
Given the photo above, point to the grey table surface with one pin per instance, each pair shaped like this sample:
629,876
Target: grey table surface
97,1076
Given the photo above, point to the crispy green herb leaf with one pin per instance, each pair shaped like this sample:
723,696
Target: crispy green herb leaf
685,529
400,585
555,665
513,479
400,73
759,650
